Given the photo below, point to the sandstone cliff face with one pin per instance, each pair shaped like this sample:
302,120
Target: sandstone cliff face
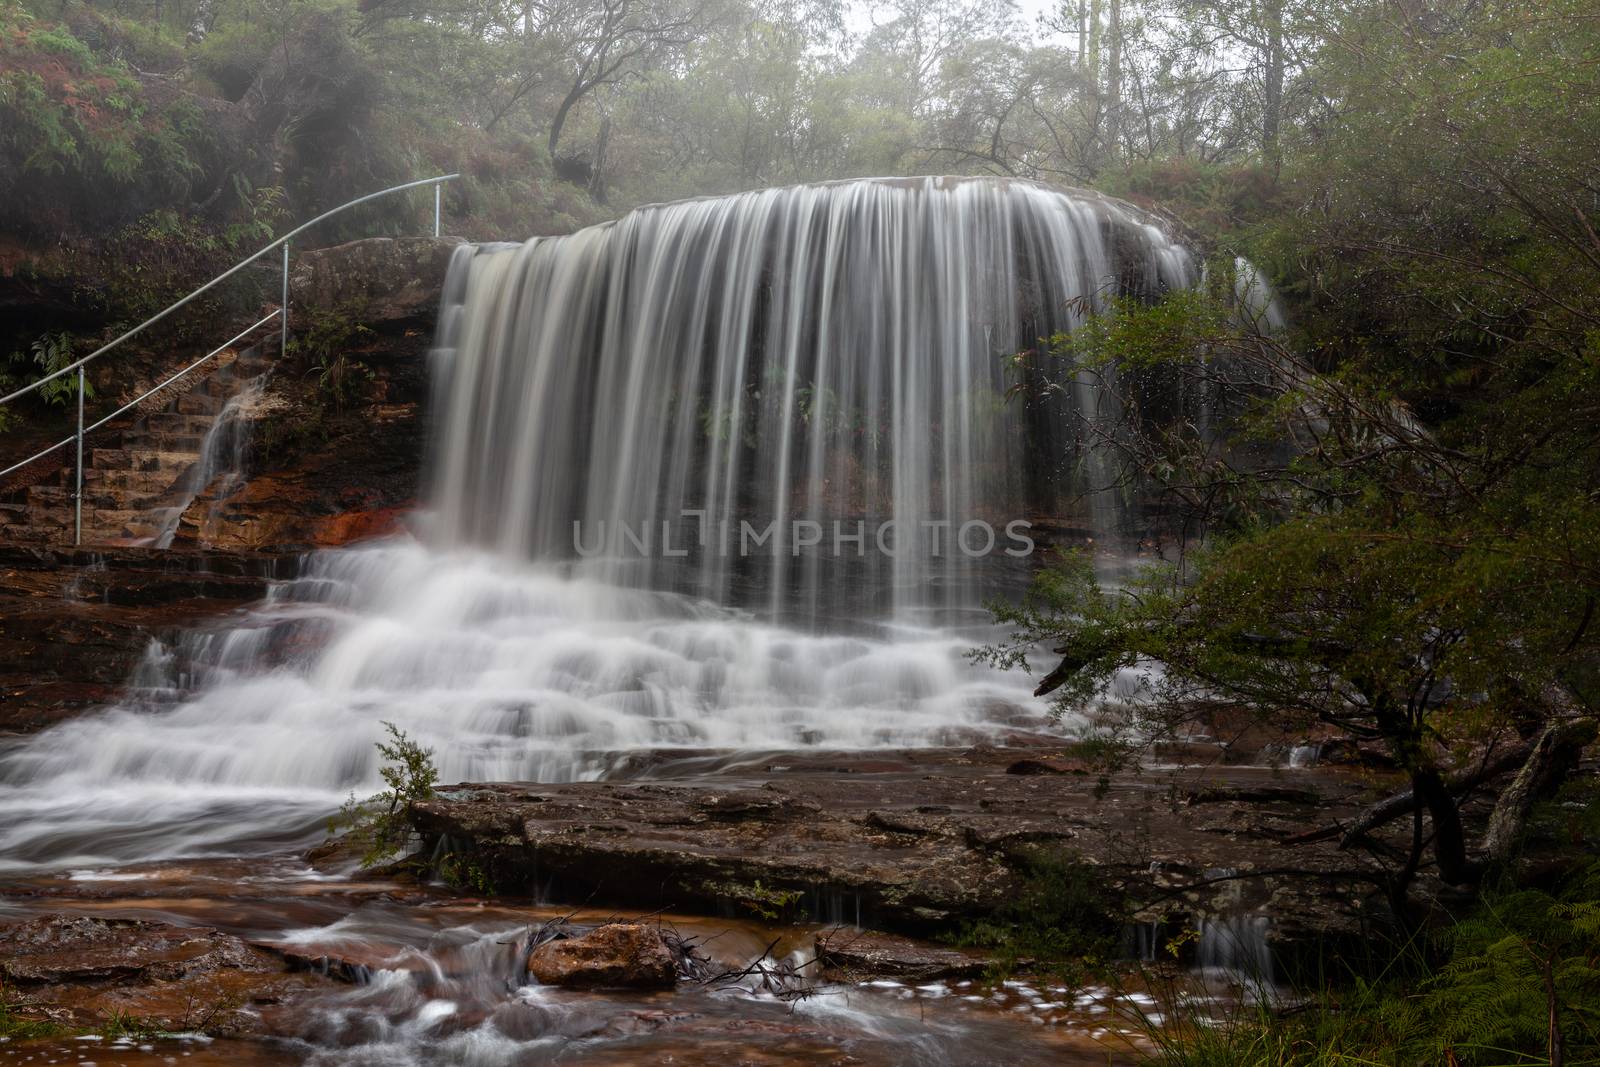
322,467
336,439
379,281
75,623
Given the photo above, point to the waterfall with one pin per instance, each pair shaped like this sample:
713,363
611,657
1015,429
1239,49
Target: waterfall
823,365
221,460
803,362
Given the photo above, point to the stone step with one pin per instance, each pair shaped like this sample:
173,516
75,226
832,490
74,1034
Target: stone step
123,523
175,422
125,480
127,486
199,404
47,496
46,516
163,442
30,534
138,459
150,502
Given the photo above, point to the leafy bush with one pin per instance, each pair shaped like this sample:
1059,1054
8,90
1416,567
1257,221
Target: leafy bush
381,824
324,343
80,146
50,353
232,57
768,903
1064,916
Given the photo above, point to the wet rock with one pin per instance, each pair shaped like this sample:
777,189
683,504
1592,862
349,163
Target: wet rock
381,279
86,970
616,955
343,962
1253,794
846,954
917,844
75,622
1047,765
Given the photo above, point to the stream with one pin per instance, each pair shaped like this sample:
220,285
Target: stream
436,981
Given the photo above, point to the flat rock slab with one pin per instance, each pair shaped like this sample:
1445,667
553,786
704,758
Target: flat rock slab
846,954
85,971
914,841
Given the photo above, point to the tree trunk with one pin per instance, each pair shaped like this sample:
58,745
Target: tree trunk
1449,841
1553,756
1114,81
1391,808
1555,1044
560,120
597,176
1083,37
1272,94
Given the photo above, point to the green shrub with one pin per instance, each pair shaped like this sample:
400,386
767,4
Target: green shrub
381,824
1064,917
324,344
232,56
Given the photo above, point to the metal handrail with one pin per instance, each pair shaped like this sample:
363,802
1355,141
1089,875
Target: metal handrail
282,314
148,393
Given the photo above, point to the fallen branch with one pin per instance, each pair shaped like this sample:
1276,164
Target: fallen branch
780,978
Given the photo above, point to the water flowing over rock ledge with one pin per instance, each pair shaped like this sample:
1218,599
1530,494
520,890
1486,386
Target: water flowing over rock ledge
914,841
75,622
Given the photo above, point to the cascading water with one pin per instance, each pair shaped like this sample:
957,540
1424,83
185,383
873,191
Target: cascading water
813,358
793,400
221,462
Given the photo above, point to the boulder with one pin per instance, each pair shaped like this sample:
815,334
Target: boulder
373,281
617,955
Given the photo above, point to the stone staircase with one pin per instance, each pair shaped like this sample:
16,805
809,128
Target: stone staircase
135,478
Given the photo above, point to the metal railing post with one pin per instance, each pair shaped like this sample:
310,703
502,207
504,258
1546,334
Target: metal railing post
77,492
436,194
283,308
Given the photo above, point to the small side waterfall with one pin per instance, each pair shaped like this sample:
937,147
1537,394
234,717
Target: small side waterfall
221,461
1236,947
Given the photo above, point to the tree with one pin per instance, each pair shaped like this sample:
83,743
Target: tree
1402,498
602,43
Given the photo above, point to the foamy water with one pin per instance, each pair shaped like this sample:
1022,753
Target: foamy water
509,672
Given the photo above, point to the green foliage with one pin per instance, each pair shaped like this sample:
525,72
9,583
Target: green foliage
381,824
17,1026
1485,997
78,140
51,352
767,903
120,1024
1523,958
232,56
324,343
1065,917
461,871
